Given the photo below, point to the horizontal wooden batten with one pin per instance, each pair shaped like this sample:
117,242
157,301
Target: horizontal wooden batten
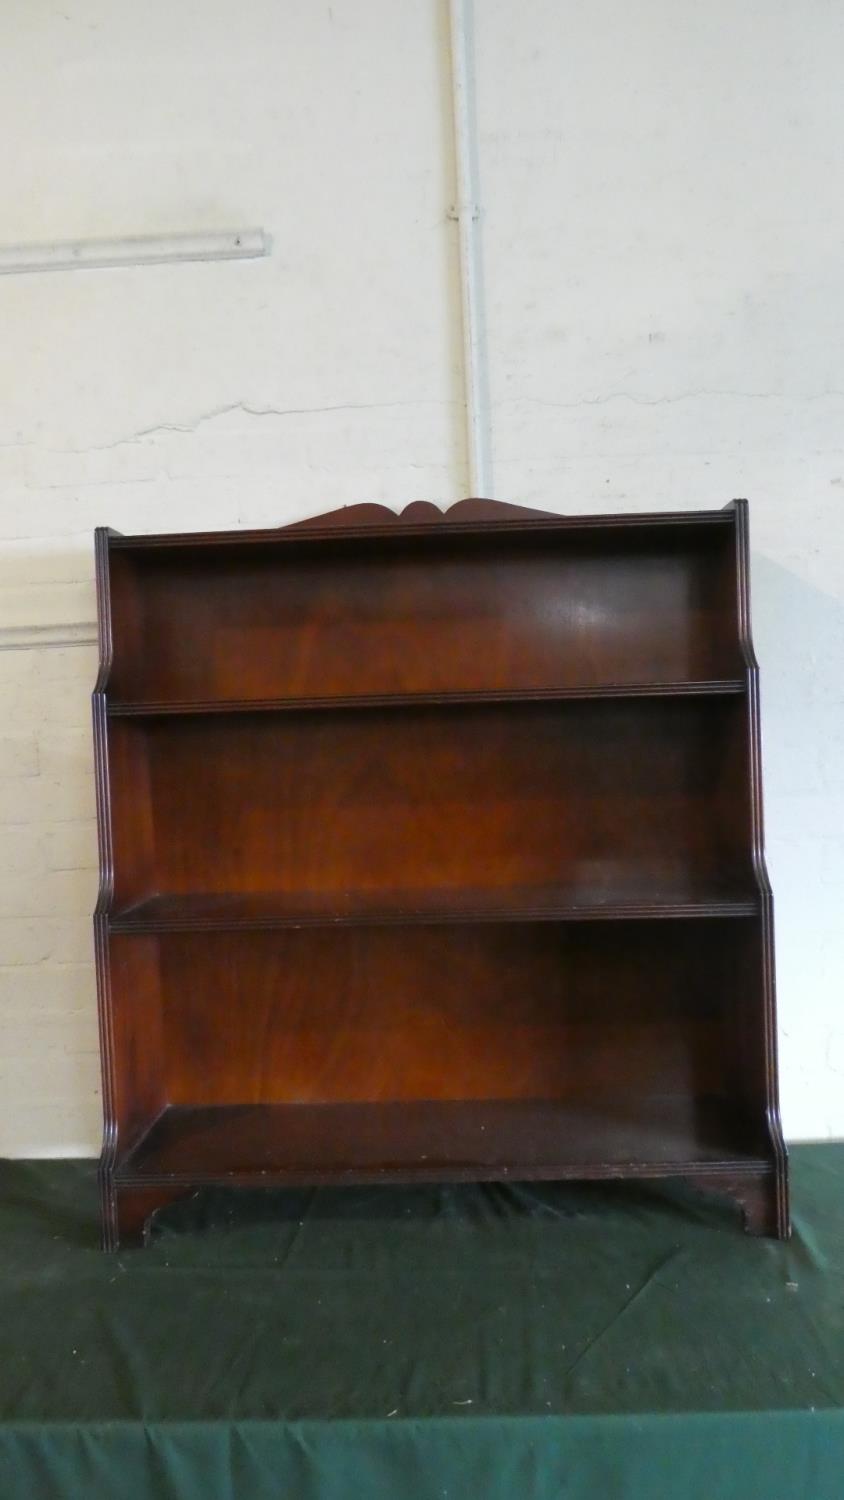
421,908
396,526
716,688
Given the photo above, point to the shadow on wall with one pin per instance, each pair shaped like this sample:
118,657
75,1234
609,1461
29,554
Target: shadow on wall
49,1062
799,638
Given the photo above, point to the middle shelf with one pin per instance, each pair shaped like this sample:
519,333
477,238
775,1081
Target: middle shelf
490,812
612,894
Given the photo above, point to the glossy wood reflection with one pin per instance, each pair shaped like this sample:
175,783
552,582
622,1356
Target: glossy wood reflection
489,796
437,615
493,1012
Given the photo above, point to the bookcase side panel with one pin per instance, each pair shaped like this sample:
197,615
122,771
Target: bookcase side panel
137,1036
128,978
761,1035
132,813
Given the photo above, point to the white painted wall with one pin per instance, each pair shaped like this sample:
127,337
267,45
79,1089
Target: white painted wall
663,233
661,238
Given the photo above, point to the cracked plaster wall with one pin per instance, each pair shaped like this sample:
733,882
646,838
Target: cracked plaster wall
661,233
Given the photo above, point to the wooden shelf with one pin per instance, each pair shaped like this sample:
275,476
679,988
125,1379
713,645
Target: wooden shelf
604,803
436,1139
717,688
423,521
431,847
426,609
615,899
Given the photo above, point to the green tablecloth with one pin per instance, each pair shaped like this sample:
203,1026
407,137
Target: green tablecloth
492,1343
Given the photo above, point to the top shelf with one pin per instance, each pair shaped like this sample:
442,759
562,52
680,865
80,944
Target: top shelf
384,525
515,610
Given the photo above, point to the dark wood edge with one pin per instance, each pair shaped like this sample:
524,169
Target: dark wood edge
740,510
755,1196
472,509
137,920
129,1208
102,536
108,1152
109,1230
715,687
124,1176
105,892
131,1201
422,519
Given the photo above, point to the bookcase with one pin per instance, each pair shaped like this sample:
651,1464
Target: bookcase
431,849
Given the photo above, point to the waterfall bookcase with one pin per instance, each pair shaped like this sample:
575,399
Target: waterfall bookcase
431,849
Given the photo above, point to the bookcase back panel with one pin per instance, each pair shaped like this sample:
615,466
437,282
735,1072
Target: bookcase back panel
427,615
474,1012
487,796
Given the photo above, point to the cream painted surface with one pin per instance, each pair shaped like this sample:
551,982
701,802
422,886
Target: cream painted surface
200,395
661,238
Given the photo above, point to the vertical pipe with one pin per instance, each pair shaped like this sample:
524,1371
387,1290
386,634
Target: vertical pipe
467,214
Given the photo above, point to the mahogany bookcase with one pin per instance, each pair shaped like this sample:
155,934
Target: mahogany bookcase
431,848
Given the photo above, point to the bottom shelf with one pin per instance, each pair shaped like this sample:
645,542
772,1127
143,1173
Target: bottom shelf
448,1140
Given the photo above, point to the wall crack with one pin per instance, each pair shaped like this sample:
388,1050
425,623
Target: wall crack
223,411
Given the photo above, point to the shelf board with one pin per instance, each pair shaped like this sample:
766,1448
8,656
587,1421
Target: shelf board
420,1139
716,687
636,895
395,527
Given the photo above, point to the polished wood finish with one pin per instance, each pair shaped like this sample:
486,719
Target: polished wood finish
431,847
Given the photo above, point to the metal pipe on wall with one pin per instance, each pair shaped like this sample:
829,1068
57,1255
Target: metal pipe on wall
135,250
466,212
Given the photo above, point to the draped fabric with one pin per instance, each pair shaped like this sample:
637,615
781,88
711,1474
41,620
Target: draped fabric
484,1343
